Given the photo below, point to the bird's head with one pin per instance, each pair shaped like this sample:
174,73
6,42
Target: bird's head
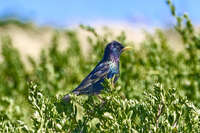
114,50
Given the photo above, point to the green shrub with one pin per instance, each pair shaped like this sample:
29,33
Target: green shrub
158,89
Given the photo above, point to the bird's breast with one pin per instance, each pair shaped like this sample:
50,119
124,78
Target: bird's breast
113,69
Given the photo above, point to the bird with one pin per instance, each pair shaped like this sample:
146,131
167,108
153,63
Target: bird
108,67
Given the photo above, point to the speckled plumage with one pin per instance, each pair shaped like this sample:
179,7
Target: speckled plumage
106,68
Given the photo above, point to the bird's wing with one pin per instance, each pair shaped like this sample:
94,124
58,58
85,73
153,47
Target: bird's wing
99,73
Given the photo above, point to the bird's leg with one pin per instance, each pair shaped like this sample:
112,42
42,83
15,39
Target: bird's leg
112,82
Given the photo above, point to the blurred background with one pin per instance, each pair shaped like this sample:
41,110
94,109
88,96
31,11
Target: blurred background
55,44
43,17
70,13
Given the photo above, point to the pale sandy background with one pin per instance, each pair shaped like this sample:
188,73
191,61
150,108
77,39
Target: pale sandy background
30,41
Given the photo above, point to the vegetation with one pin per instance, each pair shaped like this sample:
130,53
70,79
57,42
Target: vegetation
158,90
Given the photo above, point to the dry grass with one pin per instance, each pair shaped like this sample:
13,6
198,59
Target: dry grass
31,41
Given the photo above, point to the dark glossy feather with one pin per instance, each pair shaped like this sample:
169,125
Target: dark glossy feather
92,83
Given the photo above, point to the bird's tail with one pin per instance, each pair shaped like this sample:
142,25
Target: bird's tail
66,98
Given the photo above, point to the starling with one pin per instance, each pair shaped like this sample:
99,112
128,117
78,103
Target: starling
108,68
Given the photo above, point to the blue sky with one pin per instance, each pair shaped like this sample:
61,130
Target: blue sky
69,12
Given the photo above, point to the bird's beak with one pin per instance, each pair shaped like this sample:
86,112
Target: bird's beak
127,48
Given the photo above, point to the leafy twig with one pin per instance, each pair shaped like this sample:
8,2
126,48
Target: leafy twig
160,110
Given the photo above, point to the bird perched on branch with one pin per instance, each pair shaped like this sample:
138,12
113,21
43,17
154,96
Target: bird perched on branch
108,67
